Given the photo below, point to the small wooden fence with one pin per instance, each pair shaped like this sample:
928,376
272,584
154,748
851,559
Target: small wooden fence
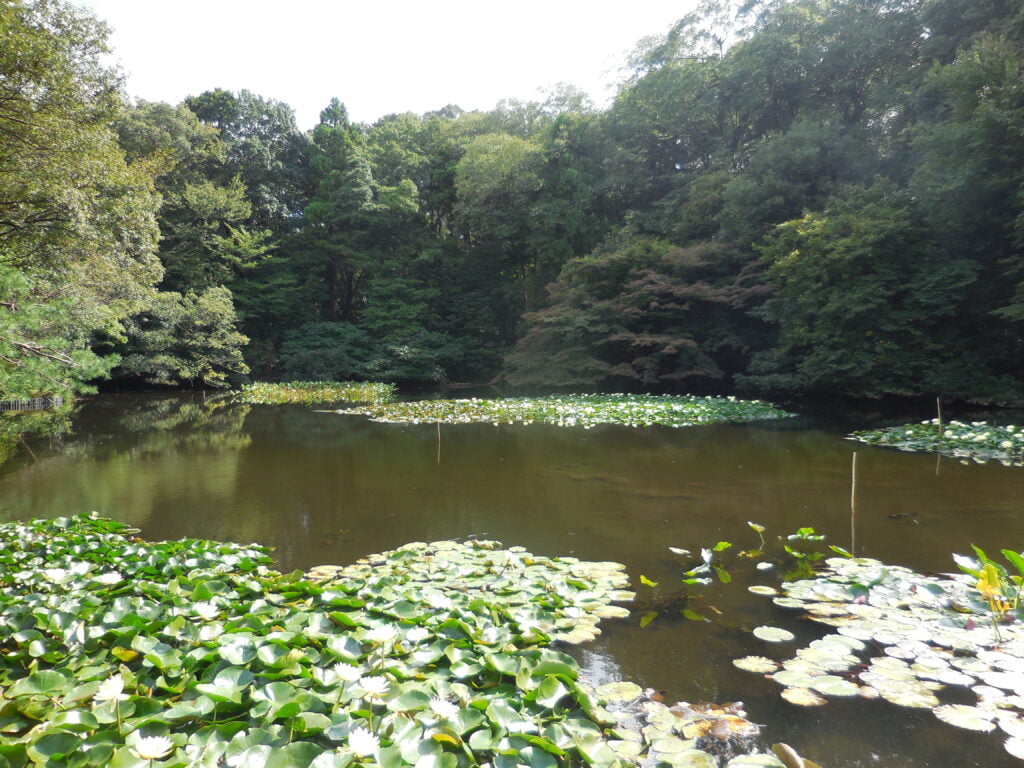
31,404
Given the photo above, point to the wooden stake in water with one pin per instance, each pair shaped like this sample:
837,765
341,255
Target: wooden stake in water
439,442
938,410
853,505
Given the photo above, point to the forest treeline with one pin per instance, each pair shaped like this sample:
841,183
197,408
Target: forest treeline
807,196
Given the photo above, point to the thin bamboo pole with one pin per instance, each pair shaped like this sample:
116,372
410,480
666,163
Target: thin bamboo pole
853,504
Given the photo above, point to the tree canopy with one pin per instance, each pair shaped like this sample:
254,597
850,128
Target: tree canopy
812,196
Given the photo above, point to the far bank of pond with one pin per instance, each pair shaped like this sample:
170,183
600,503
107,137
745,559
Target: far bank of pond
324,488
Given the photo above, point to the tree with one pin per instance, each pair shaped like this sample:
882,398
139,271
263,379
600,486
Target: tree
185,339
641,314
44,345
264,149
869,303
77,227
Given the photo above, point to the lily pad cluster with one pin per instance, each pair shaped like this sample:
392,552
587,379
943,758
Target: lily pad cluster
935,639
978,441
120,652
575,411
313,392
548,599
646,731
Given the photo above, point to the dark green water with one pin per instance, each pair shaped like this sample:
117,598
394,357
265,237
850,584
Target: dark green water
324,488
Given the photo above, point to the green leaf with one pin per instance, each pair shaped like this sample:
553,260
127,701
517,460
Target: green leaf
332,759
299,754
545,744
47,681
54,746
550,692
343,618
1015,559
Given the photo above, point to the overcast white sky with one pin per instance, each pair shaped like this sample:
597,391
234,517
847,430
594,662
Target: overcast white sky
377,57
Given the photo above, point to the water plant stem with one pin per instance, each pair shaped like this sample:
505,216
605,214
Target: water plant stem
853,504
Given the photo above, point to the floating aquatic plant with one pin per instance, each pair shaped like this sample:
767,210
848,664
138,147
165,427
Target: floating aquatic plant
575,411
122,652
977,441
933,632
794,556
314,392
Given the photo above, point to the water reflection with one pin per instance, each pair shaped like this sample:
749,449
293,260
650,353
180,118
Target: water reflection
19,429
325,488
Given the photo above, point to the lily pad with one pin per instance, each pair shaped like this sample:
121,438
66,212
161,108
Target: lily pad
773,634
619,692
757,664
759,760
803,697
963,716
1015,746
830,685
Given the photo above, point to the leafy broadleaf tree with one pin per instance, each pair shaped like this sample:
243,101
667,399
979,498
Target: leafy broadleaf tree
264,149
77,227
642,314
868,302
185,339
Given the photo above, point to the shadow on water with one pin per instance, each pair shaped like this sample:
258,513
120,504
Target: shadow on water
326,488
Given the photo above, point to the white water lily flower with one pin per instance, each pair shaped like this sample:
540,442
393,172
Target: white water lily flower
417,635
363,742
152,747
374,685
443,708
110,577
382,634
347,672
210,632
111,689
206,611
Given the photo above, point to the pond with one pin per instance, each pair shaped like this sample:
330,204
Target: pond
326,488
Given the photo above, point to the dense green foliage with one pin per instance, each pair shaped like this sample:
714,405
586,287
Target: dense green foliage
77,227
121,652
576,411
814,196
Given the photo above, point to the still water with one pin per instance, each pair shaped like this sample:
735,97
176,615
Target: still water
324,488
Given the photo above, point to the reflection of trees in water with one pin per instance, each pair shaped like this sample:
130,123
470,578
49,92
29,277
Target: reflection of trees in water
20,430
134,457
197,424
